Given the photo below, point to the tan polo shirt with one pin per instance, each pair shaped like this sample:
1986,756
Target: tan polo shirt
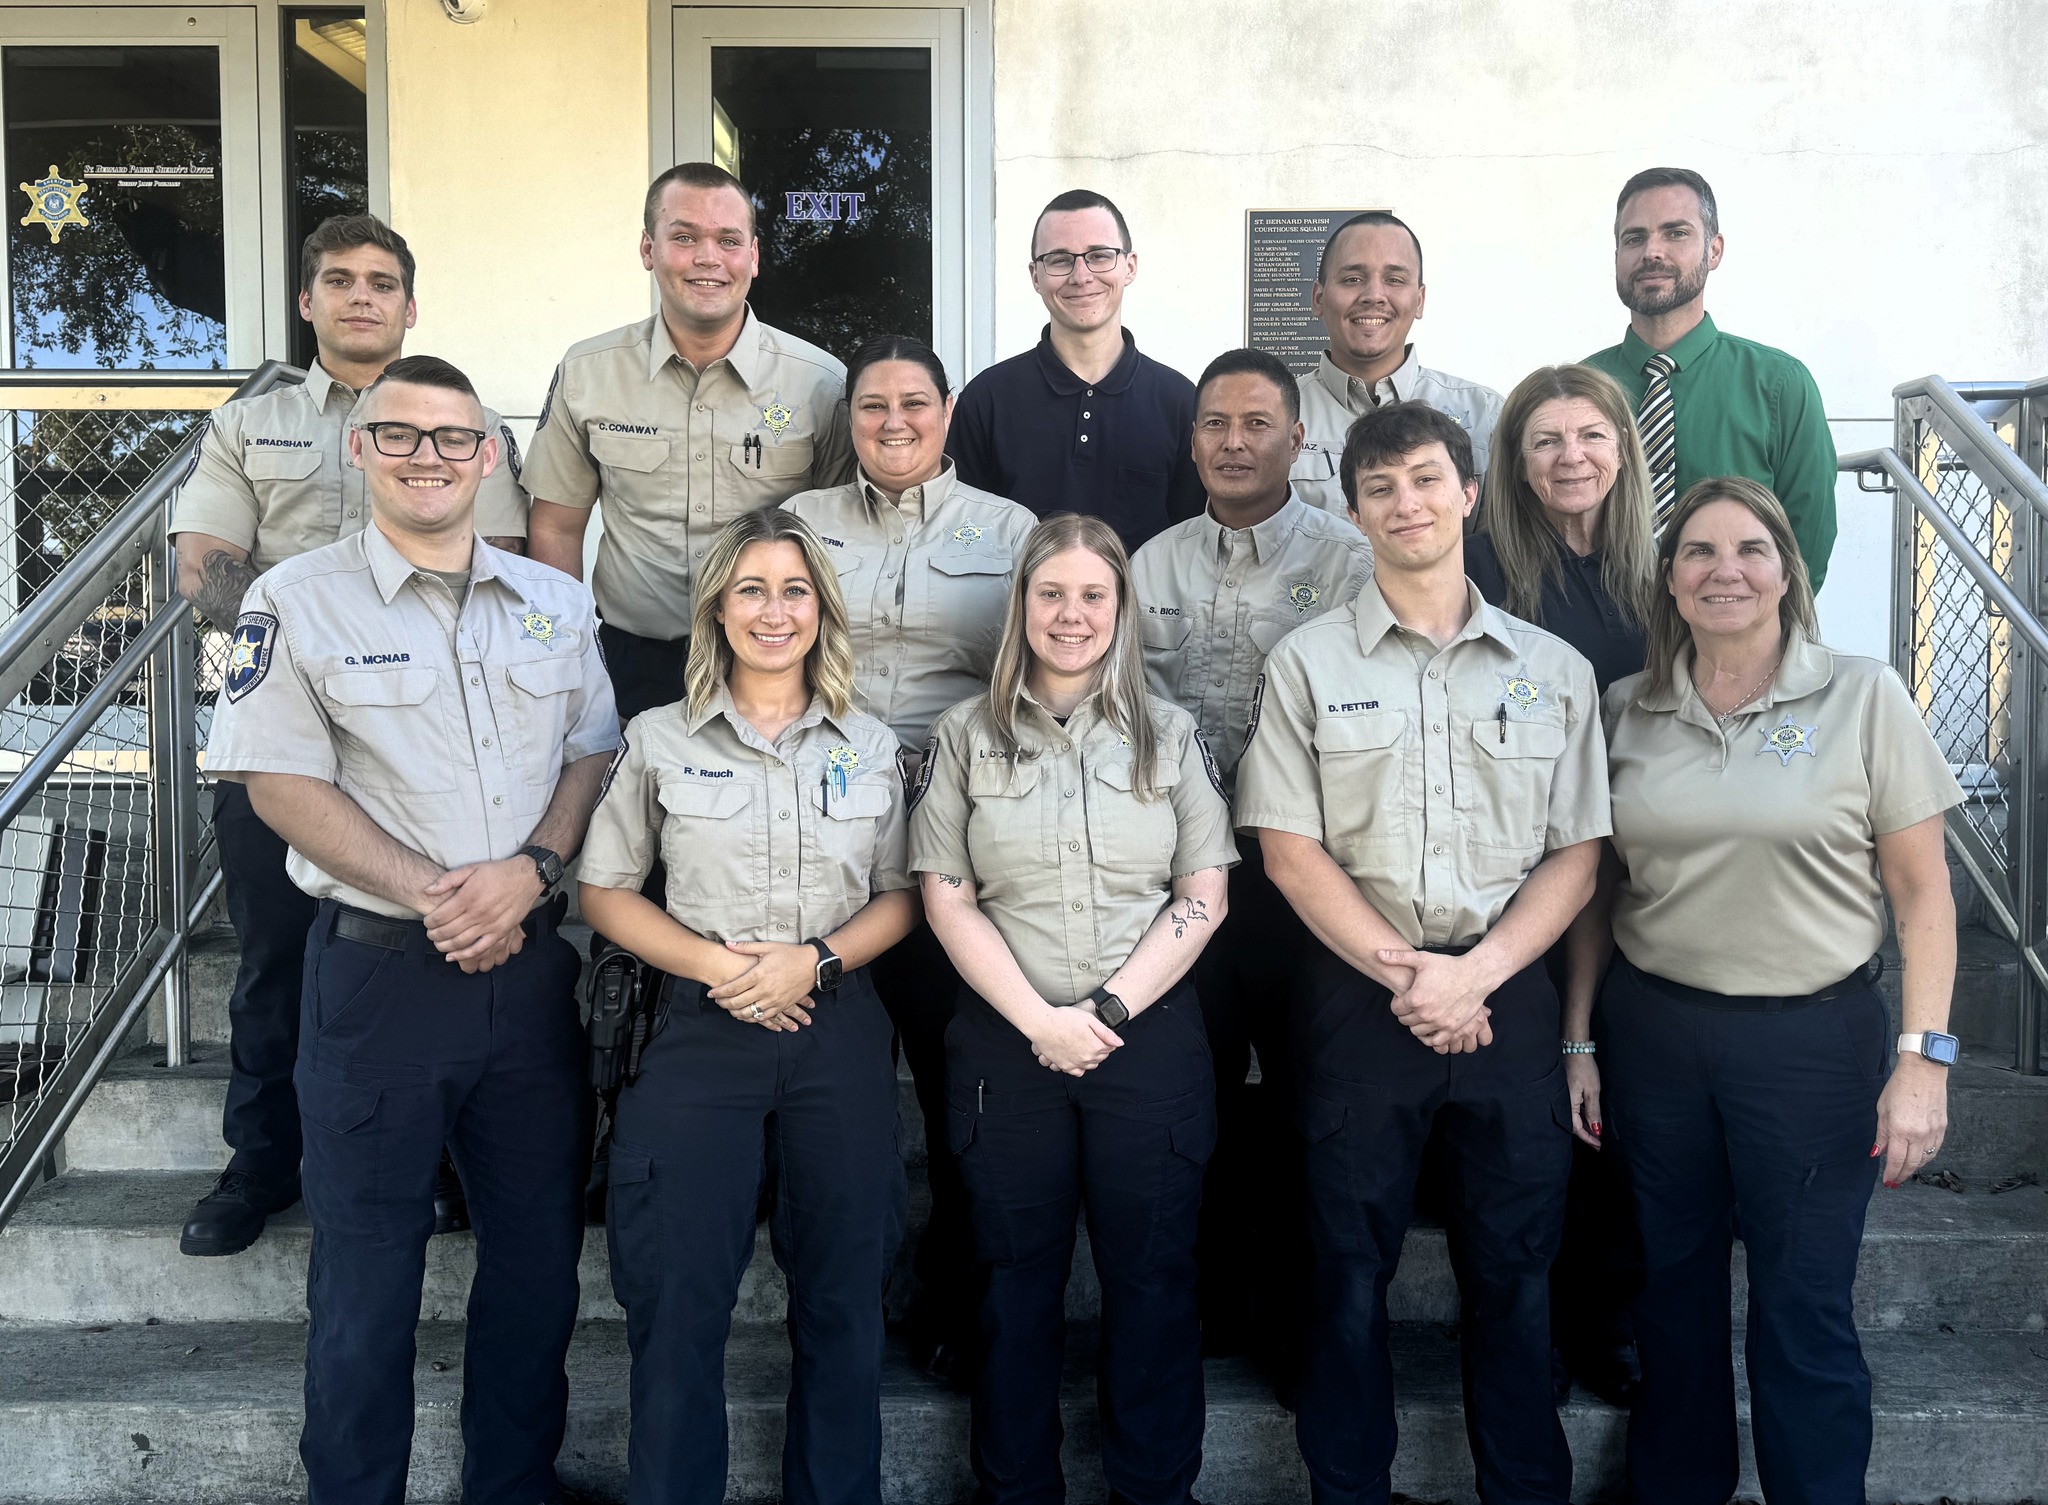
1069,864
1436,778
448,722
1214,601
763,841
1331,399
1752,848
926,580
674,453
272,475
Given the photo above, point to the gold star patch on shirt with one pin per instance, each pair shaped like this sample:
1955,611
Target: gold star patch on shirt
536,625
1785,739
1303,597
777,416
1520,694
967,533
839,762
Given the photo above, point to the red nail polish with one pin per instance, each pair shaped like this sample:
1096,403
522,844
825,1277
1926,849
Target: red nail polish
1876,1150
1891,1186
1596,1131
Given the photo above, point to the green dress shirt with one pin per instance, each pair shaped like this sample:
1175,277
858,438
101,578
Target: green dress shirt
1744,409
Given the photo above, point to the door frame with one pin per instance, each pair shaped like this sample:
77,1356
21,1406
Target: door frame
963,147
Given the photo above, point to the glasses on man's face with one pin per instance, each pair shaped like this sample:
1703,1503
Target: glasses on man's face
402,440
1095,258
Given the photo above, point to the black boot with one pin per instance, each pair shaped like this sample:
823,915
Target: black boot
228,1219
451,1205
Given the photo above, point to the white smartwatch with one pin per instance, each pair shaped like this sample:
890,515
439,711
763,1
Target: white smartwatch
1935,1046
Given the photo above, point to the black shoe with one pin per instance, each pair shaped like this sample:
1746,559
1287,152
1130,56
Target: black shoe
1613,1373
451,1203
229,1218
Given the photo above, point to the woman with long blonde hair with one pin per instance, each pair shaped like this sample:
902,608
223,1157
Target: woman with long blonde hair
1073,842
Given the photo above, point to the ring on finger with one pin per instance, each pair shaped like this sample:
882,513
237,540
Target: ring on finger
755,1011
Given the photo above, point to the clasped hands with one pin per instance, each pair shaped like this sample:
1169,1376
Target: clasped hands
474,913
769,984
1441,999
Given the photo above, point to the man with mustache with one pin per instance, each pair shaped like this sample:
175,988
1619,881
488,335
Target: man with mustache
1369,293
1709,404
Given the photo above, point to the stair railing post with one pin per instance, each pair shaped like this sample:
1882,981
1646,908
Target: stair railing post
174,823
2031,880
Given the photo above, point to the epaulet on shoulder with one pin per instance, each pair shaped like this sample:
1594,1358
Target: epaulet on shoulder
625,336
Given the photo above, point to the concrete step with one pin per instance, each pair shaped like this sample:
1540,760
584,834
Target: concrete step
103,1247
211,1411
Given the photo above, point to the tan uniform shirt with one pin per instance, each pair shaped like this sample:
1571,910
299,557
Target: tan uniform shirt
674,453
448,722
1752,849
1070,865
272,475
1215,600
1331,399
763,841
1436,778
926,580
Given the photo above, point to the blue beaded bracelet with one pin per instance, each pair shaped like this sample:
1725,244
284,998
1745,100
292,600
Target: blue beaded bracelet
1578,1047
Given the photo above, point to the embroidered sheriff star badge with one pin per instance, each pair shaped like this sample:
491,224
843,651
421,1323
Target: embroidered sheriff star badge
1520,694
839,762
1303,597
777,416
967,533
537,626
1785,739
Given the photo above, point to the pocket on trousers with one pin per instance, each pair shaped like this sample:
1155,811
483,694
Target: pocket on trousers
632,1225
1336,1207
338,1107
1865,1022
1194,1139
345,984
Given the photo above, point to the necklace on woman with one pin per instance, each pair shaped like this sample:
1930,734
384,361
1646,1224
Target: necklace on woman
1722,718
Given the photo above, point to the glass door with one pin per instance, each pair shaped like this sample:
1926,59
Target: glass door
845,126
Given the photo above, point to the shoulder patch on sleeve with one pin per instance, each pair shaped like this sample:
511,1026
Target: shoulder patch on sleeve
547,403
1251,726
249,653
923,781
612,772
511,449
1209,764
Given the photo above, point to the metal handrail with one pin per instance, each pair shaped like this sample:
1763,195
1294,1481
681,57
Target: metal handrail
1966,432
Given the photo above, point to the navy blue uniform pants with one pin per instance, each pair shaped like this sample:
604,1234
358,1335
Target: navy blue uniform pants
400,1052
686,1166
1128,1141
1371,1096
1254,1205
271,916
1758,1123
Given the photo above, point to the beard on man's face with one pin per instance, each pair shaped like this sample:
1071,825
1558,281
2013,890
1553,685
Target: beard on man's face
1683,288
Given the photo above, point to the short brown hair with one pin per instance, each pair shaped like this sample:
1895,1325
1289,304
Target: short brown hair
693,175
1395,429
344,232
1671,177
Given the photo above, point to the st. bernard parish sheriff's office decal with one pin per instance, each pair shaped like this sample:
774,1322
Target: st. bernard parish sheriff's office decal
53,203
249,653
1785,739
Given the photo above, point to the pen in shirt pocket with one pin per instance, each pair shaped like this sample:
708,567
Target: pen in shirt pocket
1501,717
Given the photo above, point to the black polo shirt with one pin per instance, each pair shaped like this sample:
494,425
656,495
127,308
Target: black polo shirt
1121,449
1575,606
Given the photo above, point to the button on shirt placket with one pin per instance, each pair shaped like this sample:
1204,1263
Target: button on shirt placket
1076,854
700,499
1085,427
354,509
480,692
785,846
1440,845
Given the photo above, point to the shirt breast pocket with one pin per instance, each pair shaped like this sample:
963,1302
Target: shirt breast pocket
1166,652
760,475
1132,834
1008,824
296,512
846,836
393,729
708,844
969,591
537,715
630,465
1367,805
1505,795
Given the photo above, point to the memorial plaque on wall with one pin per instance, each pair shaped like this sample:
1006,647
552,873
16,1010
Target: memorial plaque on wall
1281,250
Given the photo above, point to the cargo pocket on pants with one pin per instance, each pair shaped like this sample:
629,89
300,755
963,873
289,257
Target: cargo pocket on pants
632,1225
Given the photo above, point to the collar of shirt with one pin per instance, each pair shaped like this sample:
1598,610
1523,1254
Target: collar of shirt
1268,537
320,386
1038,729
917,501
744,357
1806,667
1066,384
1695,344
745,730
390,569
1356,395
1376,619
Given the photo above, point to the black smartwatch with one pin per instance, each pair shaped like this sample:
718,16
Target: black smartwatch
548,865
831,970
1109,1008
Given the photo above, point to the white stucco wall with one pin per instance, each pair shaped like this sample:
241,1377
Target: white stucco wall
1880,166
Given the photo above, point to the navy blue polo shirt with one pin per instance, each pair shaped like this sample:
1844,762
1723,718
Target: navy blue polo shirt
1575,606
1121,449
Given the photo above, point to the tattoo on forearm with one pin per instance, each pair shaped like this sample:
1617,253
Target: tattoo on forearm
223,581
1192,912
948,879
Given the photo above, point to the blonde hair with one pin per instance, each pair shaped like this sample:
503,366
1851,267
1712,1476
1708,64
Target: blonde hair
1524,539
1668,631
828,667
1119,675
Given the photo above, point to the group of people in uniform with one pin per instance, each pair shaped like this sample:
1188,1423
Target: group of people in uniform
1245,835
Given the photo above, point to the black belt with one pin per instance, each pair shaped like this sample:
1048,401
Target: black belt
372,929
1865,976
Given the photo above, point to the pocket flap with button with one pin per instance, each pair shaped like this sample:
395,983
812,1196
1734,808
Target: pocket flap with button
1360,733
1319,1117
546,676
339,1107
1314,463
1519,739
959,1128
999,778
1167,634
711,801
1268,631
1194,1138
772,461
860,802
971,559
379,686
264,463
629,1163
641,452
1123,773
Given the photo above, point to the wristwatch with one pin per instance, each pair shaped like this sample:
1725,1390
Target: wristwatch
1935,1046
549,866
831,970
1109,1008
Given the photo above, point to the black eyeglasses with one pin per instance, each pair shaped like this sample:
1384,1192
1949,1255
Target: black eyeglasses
402,440
1096,258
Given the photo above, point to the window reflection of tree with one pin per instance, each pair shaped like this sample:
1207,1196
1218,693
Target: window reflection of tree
840,283
144,283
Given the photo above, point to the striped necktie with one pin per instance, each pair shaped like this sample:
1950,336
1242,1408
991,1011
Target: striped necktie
1657,420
